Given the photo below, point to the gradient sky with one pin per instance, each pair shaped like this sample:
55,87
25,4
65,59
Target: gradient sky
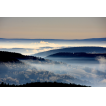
52,28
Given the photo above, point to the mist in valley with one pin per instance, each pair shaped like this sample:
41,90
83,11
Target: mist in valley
18,69
65,70
86,71
91,70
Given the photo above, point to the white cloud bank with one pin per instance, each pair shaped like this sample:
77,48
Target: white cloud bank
102,61
43,43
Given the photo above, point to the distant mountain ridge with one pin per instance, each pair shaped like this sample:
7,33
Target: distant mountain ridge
88,39
80,54
72,50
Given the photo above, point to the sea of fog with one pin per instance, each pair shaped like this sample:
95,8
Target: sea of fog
84,69
92,70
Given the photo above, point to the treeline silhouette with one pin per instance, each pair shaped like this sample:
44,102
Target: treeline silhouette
12,57
78,54
6,56
43,84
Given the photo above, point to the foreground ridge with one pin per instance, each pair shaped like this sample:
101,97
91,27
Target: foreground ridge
43,84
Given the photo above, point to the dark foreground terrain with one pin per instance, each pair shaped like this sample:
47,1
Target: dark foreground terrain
44,84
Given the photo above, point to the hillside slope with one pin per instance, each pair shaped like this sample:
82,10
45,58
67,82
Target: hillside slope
72,49
80,54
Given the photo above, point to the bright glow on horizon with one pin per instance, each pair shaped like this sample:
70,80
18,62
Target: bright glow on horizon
45,44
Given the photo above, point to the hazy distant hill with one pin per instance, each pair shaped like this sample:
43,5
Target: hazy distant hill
90,39
72,50
80,54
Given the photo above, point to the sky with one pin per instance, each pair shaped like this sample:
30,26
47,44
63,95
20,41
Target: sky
52,27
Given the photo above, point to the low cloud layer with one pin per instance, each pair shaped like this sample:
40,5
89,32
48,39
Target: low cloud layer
102,61
31,45
44,49
28,51
24,73
27,72
31,48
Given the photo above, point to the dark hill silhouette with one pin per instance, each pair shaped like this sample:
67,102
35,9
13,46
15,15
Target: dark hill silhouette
71,50
8,59
80,54
89,39
43,84
6,56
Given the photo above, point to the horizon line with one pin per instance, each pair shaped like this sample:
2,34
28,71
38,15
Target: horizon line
50,39
58,48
